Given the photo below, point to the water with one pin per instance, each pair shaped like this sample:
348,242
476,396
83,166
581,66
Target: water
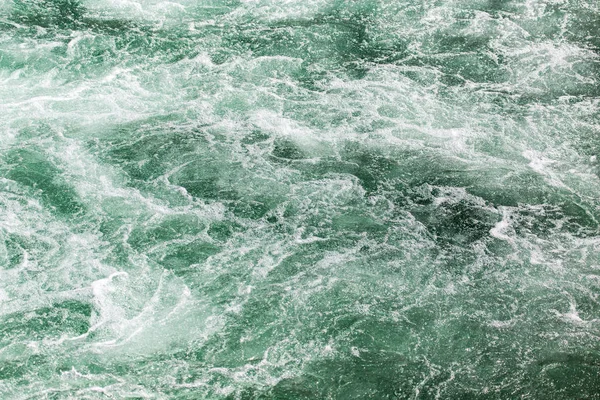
316,199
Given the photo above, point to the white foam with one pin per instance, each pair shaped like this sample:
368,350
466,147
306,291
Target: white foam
503,229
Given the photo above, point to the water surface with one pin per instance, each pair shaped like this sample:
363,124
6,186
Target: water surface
316,199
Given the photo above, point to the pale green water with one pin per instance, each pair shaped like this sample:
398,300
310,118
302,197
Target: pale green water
302,199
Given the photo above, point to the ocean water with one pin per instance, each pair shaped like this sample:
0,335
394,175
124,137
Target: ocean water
299,199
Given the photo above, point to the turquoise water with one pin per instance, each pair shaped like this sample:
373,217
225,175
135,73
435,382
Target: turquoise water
316,199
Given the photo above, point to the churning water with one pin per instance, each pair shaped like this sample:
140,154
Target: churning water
299,199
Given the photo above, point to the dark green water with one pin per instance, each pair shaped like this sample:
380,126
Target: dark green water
316,199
